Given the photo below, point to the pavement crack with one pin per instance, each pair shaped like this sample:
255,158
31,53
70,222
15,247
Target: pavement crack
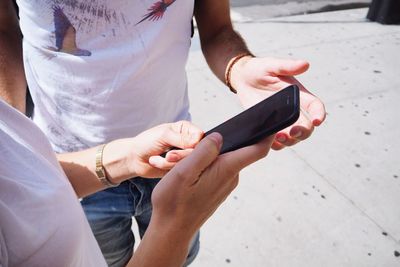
353,203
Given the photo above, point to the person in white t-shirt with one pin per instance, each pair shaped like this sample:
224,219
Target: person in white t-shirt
42,223
109,69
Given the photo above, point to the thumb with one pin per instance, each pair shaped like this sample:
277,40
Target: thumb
184,134
287,67
201,157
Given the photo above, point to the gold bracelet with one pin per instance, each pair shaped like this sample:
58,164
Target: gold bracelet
100,171
228,71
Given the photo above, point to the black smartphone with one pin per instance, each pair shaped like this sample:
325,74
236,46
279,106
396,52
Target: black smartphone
265,118
261,120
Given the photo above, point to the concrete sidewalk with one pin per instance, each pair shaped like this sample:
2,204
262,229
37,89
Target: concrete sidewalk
333,200
250,10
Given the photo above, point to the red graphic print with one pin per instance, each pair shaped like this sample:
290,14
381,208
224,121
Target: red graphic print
157,10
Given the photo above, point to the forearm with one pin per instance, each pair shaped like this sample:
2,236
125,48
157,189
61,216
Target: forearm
219,41
221,49
161,247
12,76
80,168
125,158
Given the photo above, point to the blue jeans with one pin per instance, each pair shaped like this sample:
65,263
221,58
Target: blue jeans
110,213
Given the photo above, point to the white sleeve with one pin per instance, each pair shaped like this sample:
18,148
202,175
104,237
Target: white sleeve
3,251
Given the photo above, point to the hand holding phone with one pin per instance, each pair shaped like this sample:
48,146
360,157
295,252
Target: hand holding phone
261,120
265,118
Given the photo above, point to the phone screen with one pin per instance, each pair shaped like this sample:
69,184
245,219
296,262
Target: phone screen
261,120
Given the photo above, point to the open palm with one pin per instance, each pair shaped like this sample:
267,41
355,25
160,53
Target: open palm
257,78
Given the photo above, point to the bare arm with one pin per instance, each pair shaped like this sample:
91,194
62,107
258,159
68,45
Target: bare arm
188,195
219,42
131,157
254,78
171,246
12,76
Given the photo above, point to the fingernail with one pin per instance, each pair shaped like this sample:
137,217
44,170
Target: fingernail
316,122
281,138
217,138
172,157
297,134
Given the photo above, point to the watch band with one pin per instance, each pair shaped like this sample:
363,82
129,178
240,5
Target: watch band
100,171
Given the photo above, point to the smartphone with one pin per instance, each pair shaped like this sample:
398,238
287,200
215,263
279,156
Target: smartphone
261,120
265,118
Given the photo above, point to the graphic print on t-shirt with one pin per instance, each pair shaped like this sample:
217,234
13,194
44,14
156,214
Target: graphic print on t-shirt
89,62
157,10
65,34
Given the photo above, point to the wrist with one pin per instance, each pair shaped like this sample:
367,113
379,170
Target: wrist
102,175
171,248
233,70
171,231
116,163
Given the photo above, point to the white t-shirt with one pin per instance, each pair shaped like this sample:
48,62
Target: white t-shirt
105,69
41,220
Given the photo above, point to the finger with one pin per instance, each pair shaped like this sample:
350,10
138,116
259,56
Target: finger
317,112
177,155
300,130
309,102
277,146
286,67
201,157
161,163
236,160
185,134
